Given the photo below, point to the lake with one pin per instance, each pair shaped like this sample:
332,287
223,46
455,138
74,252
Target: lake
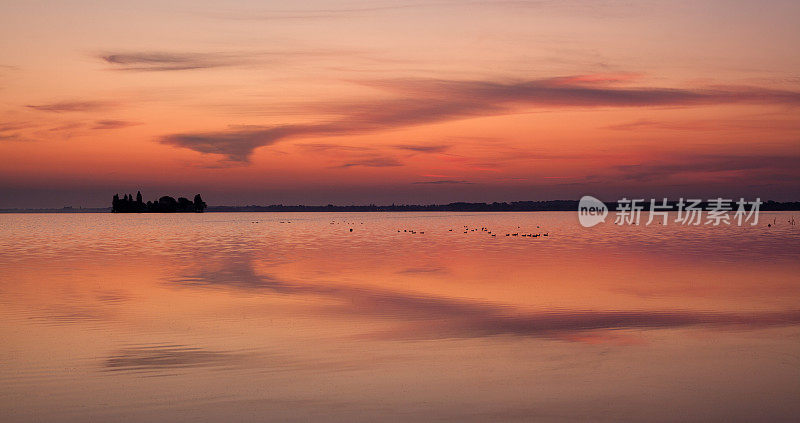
254,317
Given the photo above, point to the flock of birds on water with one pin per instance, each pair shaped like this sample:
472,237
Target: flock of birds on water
466,230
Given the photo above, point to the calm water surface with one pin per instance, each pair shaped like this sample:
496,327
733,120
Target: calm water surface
249,318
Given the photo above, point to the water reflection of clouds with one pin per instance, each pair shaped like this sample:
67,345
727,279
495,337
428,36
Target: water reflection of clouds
236,273
98,308
420,316
163,357
168,359
65,314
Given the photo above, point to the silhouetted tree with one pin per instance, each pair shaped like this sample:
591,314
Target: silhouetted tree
165,204
185,205
199,204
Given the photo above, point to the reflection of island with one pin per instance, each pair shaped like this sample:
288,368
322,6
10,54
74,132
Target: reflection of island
165,204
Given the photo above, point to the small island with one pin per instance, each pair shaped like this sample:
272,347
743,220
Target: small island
165,204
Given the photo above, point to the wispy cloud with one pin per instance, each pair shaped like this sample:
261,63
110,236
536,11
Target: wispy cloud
113,124
11,137
422,148
643,124
236,145
15,126
17,130
336,148
368,156
604,8
776,165
383,161
422,270
426,101
73,106
444,182
164,61
66,126
708,125
575,92
303,14
42,129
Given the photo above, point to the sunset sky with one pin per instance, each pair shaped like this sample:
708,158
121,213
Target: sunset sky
358,102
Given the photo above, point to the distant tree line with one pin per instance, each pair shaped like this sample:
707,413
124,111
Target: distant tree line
555,205
459,206
136,206
165,204
515,206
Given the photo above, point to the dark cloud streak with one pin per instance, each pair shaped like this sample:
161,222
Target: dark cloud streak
383,161
73,106
162,61
571,92
237,144
426,101
443,182
710,163
423,148
113,124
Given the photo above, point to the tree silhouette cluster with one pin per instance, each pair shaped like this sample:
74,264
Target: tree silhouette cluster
165,204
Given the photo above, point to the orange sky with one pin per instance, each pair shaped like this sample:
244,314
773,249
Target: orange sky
254,102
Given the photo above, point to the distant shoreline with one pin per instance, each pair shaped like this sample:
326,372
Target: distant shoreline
517,206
